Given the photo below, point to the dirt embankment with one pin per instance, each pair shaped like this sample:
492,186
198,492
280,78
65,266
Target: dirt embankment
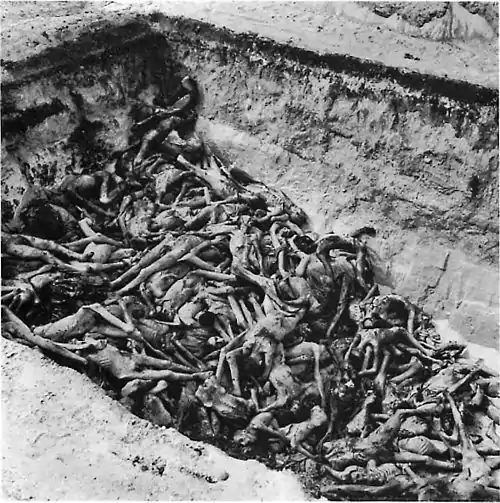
392,33
357,143
64,439
352,141
67,109
354,148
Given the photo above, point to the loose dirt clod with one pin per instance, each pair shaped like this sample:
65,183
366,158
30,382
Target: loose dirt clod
199,297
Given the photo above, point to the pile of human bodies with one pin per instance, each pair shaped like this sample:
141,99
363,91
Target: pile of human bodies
202,300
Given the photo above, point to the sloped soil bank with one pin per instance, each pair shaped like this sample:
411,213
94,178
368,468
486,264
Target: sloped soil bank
69,441
352,142
344,138
355,142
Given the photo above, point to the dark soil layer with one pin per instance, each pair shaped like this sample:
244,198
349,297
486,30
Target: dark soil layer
63,114
353,141
357,143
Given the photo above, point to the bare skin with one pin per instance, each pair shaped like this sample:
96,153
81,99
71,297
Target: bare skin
261,344
215,396
160,261
21,330
83,321
228,313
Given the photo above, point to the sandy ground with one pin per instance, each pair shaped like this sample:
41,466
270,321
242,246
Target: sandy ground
342,27
62,437
334,27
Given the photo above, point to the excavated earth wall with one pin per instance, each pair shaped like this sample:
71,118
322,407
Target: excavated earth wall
68,108
354,142
358,143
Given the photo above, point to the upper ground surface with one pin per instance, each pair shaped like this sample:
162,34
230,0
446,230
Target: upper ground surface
63,438
461,43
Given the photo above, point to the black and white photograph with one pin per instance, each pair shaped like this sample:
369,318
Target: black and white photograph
250,250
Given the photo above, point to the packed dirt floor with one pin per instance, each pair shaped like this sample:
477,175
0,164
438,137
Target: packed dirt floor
63,438
69,441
